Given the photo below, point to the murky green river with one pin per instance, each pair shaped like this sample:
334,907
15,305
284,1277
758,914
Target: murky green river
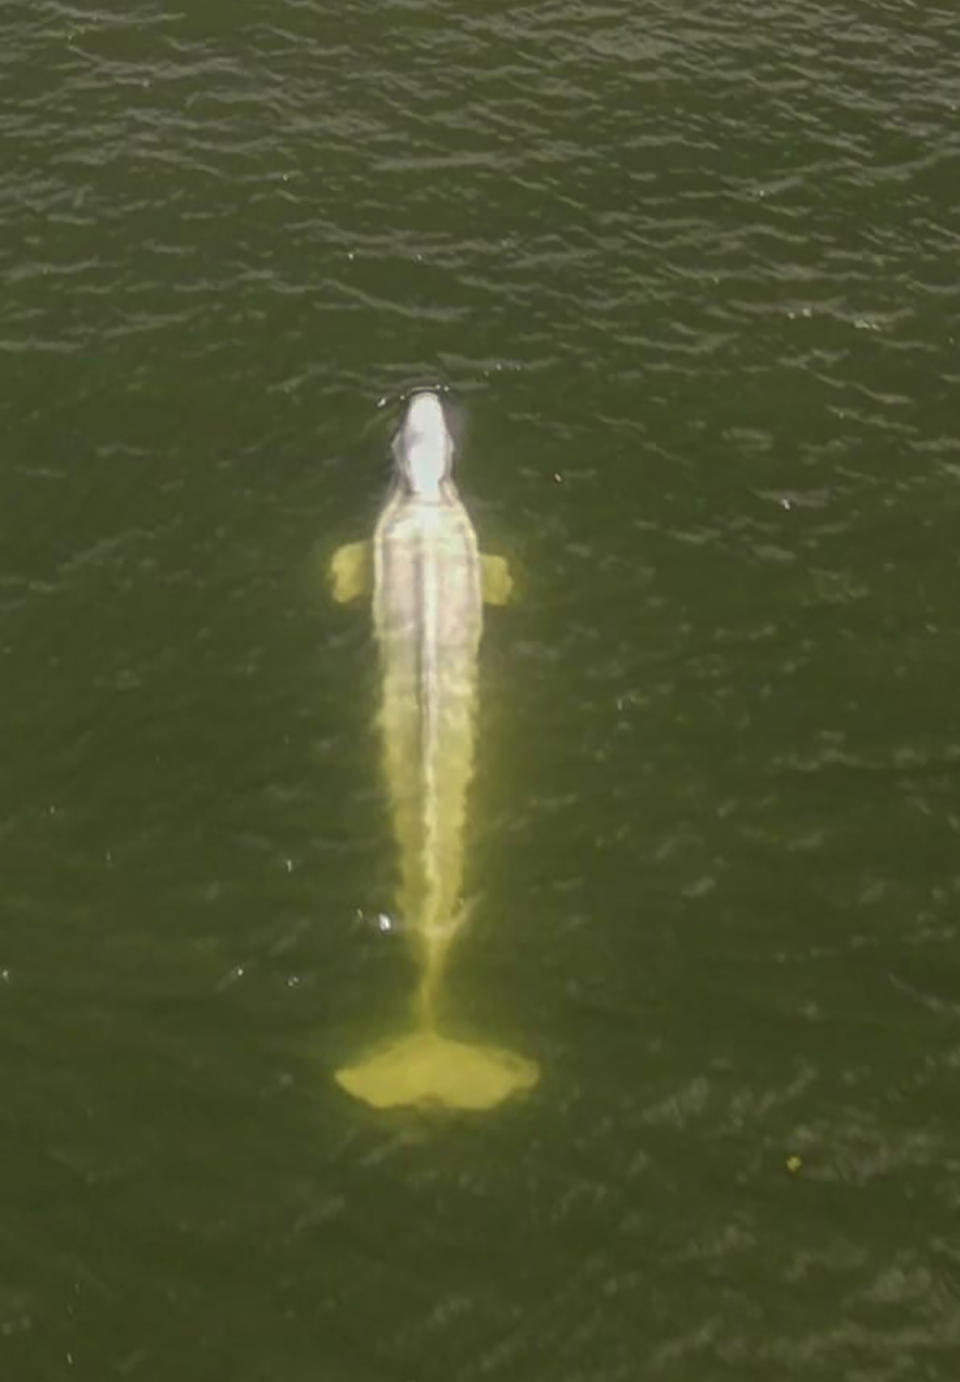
690,271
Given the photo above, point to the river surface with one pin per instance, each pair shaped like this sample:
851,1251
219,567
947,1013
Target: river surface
690,272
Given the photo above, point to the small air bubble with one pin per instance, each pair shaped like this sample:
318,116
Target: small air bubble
231,977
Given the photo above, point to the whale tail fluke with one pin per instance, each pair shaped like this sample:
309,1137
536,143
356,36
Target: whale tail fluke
425,1068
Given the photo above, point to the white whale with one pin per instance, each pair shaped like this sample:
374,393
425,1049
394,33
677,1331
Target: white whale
428,582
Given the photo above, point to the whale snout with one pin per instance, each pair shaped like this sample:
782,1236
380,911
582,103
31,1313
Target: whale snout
423,446
425,414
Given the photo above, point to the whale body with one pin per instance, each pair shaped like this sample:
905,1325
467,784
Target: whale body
428,581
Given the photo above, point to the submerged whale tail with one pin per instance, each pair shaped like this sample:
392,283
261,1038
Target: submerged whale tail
426,1068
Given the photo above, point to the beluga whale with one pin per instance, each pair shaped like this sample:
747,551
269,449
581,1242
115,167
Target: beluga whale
428,582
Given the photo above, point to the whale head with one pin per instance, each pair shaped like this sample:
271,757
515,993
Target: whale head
423,447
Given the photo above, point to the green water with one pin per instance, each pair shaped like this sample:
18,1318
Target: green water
690,270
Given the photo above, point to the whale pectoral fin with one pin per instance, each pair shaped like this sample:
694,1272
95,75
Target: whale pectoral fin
351,571
497,580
